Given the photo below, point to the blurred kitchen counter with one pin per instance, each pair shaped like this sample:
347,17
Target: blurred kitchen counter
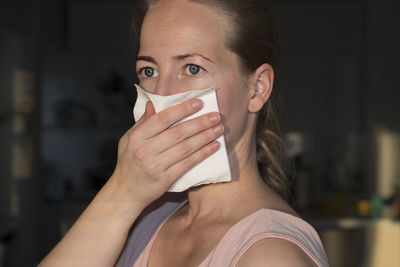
360,242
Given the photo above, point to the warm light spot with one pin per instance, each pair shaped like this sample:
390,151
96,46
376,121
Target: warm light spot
388,162
384,244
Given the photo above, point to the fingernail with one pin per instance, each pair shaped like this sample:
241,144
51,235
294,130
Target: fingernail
213,118
218,129
196,104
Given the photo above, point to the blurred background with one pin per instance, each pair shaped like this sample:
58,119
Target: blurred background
66,97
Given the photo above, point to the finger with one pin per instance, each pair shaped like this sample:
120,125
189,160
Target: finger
160,121
148,111
184,130
189,146
179,169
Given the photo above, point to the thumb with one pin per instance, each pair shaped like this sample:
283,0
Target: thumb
149,110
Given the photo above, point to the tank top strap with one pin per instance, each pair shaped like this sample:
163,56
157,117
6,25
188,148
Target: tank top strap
266,223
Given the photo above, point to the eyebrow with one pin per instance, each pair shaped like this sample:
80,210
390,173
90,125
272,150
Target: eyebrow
146,58
184,56
178,57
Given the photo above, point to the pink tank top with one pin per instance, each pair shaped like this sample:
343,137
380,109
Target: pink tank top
264,223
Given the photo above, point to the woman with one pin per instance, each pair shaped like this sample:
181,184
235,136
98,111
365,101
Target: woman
188,45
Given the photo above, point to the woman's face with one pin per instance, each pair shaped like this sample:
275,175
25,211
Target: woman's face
183,48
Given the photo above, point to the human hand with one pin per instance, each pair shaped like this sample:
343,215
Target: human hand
152,155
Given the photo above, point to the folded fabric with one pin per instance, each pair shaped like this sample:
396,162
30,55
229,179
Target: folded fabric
213,169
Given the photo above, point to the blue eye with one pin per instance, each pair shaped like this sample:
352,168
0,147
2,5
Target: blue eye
147,72
193,69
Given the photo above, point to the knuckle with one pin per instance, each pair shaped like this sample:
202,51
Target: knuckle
163,117
153,168
186,148
210,134
187,108
205,152
132,135
195,158
206,121
189,163
141,154
179,133
202,123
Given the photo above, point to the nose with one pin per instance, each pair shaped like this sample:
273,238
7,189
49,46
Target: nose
162,87
167,85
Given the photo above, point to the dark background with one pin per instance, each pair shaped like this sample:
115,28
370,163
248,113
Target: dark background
66,97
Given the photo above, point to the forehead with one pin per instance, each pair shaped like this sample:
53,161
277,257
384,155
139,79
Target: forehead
183,24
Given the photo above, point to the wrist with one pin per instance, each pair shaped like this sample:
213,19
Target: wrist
117,203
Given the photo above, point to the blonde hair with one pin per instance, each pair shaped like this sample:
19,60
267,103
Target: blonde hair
255,40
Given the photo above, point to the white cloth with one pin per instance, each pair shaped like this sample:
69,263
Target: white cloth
213,169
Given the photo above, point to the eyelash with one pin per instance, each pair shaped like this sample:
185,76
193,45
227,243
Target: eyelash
189,65
140,71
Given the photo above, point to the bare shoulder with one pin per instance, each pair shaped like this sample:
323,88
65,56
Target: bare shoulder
275,252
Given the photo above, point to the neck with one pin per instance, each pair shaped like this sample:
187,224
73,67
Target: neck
221,198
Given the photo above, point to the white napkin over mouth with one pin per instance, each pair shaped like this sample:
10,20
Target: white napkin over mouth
215,168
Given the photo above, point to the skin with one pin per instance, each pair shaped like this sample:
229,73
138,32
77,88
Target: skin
171,31
152,156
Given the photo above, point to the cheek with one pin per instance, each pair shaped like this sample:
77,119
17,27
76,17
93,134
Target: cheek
233,104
